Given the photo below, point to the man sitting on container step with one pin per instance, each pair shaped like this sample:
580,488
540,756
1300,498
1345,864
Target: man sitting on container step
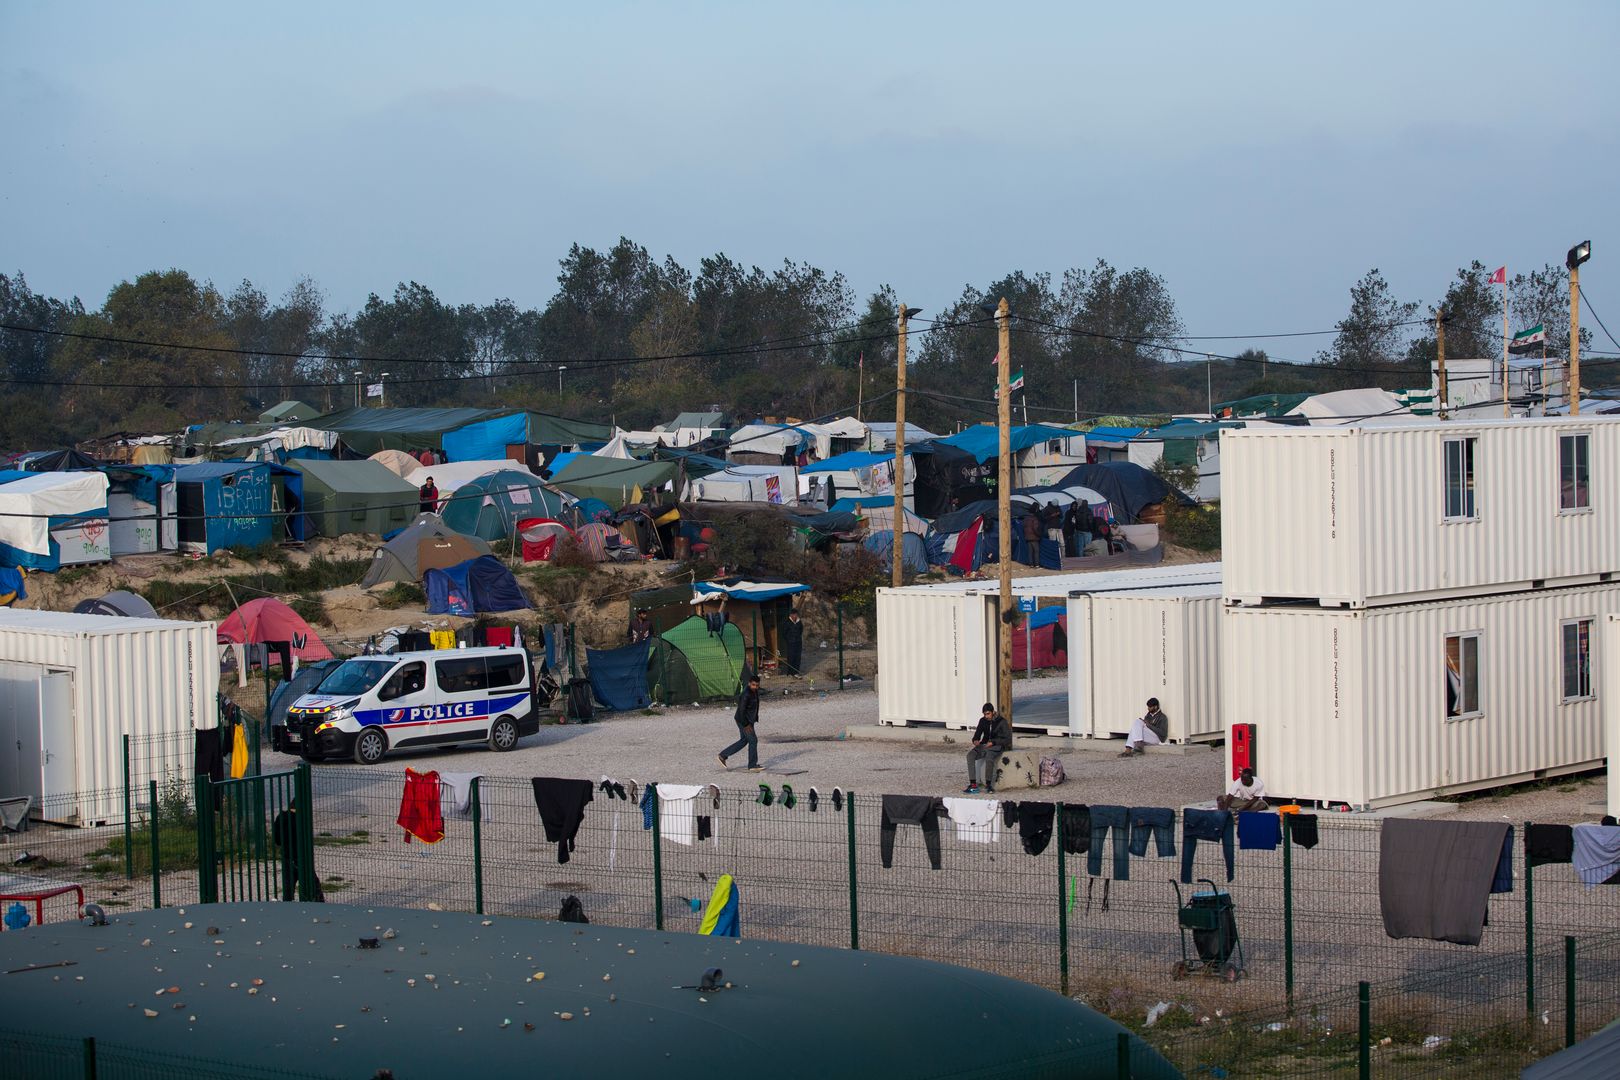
1247,792
991,739
1150,729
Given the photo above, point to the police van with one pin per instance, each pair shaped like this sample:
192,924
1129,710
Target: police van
370,705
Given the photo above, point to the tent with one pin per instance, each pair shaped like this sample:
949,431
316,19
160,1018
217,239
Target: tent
947,478
49,520
223,504
288,412
451,475
354,497
619,677
757,608
365,431
540,537
422,545
613,480
118,602
777,484
397,462
687,663
489,437
983,441
600,541
491,506
913,550
467,588
881,516
268,619
1047,640
55,461
1127,487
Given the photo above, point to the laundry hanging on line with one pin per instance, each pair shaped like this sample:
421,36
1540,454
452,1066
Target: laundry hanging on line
562,810
919,810
419,812
1258,830
1205,825
1434,877
975,819
677,812
1548,844
456,787
1596,854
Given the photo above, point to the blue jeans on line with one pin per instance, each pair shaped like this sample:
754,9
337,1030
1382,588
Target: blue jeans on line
1199,825
1160,822
745,737
1104,818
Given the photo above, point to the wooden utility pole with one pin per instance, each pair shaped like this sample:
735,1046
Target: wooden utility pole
899,526
1004,507
1440,352
1575,338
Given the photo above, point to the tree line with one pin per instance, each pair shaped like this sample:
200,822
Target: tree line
632,338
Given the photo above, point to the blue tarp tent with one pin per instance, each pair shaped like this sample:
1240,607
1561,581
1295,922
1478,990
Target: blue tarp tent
1128,487
467,588
855,459
487,440
221,504
619,677
913,550
36,510
984,440
491,506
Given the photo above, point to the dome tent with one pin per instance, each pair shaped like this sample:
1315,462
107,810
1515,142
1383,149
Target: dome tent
268,619
422,545
491,506
481,584
118,602
688,663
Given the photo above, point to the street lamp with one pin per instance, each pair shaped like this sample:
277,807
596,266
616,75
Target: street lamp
560,369
357,390
382,398
1577,255
897,530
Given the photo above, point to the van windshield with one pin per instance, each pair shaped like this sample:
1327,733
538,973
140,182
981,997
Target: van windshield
355,677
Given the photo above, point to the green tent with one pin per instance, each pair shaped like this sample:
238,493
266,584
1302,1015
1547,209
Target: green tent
491,506
288,412
613,480
687,663
366,431
354,497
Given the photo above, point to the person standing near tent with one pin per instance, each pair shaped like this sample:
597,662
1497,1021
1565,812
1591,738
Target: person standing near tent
793,644
641,628
1032,537
427,497
746,716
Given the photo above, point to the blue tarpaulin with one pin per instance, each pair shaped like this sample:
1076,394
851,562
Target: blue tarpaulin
619,677
487,440
849,504
753,590
855,459
984,441
230,509
1045,616
11,586
467,588
913,550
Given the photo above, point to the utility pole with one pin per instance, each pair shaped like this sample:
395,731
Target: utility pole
1004,507
1577,255
1507,411
357,402
1209,384
899,526
1440,352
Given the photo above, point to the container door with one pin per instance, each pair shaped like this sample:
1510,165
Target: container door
168,534
19,730
56,723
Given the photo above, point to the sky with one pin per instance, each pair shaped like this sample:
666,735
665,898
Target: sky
1260,157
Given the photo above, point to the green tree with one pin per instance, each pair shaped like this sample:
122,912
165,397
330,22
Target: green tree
1541,297
425,340
1370,339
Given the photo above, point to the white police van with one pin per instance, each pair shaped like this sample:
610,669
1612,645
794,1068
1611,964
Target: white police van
372,704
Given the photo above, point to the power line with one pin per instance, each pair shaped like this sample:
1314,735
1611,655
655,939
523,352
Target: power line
1598,317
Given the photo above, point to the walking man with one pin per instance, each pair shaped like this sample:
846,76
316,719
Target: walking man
991,739
1150,729
747,716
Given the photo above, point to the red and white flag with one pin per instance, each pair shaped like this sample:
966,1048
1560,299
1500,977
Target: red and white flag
996,359
1498,278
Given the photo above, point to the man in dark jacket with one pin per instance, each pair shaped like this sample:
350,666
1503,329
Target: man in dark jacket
641,628
991,739
427,497
747,716
793,644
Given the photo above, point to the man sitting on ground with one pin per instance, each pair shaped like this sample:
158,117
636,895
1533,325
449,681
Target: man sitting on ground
1247,792
1150,729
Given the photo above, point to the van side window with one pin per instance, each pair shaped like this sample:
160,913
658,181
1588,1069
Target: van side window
505,670
409,679
461,676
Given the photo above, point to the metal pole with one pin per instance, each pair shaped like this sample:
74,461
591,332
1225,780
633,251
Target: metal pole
854,888
1364,1033
304,820
1569,991
129,828
1440,354
658,862
840,644
1288,908
756,639
1506,411
1122,1056
478,847
1063,909
1004,505
1529,929
152,817
1209,385
897,571
1575,340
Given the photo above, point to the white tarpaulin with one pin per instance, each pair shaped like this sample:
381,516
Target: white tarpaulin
452,474
767,439
1363,405
749,483
27,505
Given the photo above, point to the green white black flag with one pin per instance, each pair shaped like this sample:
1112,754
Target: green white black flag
1528,340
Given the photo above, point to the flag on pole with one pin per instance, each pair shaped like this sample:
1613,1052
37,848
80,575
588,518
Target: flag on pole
1528,340
1016,382
996,359
374,390
1498,278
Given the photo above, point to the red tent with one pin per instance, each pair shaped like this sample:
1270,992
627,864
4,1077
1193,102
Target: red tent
1050,644
540,537
268,619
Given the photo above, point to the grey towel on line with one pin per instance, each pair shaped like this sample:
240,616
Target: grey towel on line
1434,877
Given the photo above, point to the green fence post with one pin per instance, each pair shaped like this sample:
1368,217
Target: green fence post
304,798
854,888
1122,1056
478,848
1569,990
1063,909
129,826
1364,1032
1529,929
1288,909
840,644
157,889
658,862
89,1058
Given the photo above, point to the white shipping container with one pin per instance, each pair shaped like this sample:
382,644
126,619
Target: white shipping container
1361,707
936,656
1396,513
96,678
1610,693
1125,647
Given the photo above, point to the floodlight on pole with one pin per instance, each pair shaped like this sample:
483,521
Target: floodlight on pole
560,369
1577,255
382,398
897,526
357,398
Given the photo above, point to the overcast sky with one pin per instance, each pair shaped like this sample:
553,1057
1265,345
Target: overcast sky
1260,157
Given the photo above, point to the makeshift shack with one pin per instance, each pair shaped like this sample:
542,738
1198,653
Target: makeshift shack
776,484
425,544
354,497
525,437
53,519
223,504
491,506
467,588
619,676
690,663
366,431
140,510
757,608
613,480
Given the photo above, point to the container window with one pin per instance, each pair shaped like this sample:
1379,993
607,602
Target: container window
1460,480
1462,675
1574,476
1577,645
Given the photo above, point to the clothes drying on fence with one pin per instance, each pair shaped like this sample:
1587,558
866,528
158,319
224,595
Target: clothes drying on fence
614,793
649,806
1502,880
419,812
1009,814
1035,823
415,641
442,639
1302,827
1597,854
1199,825
723,916
1258,830
1434,877
456,789
677,812
1546,844
975,819
920,810
1104,818
499,637
208,757
239,751
705,827
1076,830
562,809
1160,823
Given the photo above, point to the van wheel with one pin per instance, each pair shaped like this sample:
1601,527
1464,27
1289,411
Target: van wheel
370,747
503,734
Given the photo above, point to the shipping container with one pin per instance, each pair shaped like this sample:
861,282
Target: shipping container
1422,509
1125,647
1386,705
74,685
936,656
1609,693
